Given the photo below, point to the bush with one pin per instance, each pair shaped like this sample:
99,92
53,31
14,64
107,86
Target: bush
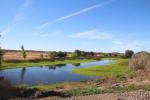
140,60
128,53
120,77
83,92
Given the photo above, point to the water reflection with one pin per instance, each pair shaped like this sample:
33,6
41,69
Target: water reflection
60,65
76,64
48,74
1,78
23,71
41,66
56,66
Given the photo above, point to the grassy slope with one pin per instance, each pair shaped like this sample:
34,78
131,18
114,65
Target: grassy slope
95,90
64,85
43,63
118,68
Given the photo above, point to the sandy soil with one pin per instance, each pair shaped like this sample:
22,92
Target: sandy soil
17,55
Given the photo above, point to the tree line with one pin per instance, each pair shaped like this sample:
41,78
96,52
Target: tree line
54,54
61,54
80,53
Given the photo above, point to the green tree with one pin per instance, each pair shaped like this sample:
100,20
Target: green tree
73,55
129,53
52,54
77,53
84,54
92,53
61,54
24,55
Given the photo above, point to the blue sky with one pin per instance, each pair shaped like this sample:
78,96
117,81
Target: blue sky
91,25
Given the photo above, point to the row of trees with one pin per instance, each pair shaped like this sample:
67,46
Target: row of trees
60,54
54,54
76,53
79,53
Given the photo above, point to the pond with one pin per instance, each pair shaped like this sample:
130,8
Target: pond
48,74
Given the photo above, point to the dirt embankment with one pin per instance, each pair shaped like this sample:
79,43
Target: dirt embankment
138,95
17,55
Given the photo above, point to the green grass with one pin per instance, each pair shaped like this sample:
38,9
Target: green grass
95,90
116,69
64,85
82,92
43,63
82,89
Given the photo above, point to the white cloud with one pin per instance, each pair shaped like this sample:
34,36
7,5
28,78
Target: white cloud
26,3
135,45
75,14
118,42
46,34
92,34
19,16
8,29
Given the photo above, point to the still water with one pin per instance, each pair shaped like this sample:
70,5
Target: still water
48,74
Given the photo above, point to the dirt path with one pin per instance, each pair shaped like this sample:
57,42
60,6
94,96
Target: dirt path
138,95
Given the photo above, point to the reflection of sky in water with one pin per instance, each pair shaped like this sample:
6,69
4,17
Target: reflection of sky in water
48,75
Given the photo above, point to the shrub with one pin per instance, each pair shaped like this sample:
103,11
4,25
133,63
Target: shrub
82,92
128,53
120,77
61,54
140,60
52,54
